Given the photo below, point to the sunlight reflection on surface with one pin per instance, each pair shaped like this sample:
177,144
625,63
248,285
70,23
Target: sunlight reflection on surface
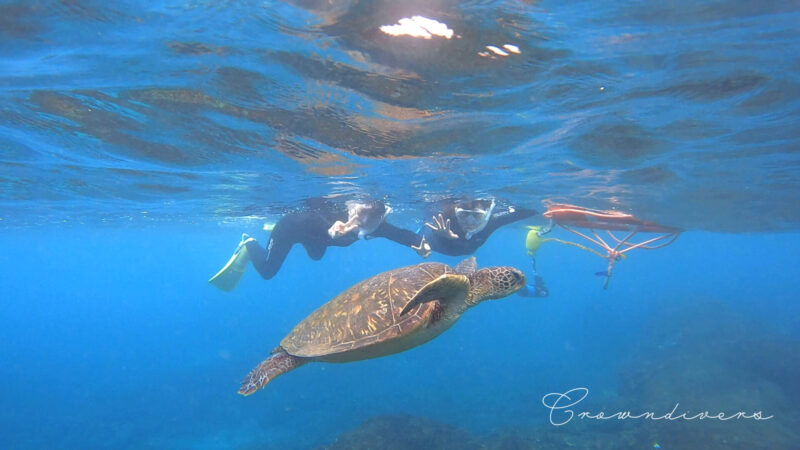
418,26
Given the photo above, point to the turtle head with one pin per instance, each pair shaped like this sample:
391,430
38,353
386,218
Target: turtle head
494,282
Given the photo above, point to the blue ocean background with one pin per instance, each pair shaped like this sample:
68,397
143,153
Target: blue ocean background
138,140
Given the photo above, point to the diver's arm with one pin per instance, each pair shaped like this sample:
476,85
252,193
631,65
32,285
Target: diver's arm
396,234
506,217
496,221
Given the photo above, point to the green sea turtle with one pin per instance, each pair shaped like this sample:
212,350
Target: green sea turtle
385,314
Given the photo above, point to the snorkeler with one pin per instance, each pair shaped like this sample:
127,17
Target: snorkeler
534,240
460,227
324,224
537,289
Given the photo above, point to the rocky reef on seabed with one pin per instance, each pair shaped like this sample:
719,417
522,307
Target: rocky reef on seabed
727,364
401,432
708,358
405,432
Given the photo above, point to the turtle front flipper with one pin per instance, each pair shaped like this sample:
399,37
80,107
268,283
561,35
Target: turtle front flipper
448,288
278,364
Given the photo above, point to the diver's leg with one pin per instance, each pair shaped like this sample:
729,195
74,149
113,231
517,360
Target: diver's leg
396,234
267,262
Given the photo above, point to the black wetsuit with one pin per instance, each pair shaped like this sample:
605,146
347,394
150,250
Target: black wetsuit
462,246
310,229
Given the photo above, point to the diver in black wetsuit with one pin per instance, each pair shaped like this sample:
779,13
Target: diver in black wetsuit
307,228
460,227
537,289
323,224
322,227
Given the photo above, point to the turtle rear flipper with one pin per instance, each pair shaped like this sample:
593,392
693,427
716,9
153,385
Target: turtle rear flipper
448,288
278,364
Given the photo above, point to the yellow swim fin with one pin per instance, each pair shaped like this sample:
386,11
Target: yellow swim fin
228,277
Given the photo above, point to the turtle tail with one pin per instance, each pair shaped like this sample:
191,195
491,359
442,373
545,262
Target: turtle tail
277,364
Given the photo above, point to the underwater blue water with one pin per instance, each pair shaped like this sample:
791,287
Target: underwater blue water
138,140
111,340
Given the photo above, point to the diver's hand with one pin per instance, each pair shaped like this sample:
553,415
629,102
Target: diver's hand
424,249
336,230
339,228
442,227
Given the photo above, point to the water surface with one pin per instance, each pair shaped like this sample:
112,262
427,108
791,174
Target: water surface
138,140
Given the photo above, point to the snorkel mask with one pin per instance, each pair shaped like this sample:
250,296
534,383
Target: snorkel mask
363,217
474,215
370,216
